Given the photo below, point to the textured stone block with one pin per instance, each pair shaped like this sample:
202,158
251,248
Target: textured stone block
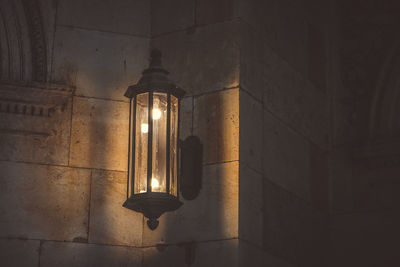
286,157
110,223
217,253
19,253
168,256
212,215
210,254
250,205
99,136
173,15
293,230
35,122
83,255
216,122
251,131
203,59
365,239
284,91
209,11
128,17
250,255
99,64
44,202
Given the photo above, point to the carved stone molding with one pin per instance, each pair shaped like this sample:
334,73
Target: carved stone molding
23,42
35,121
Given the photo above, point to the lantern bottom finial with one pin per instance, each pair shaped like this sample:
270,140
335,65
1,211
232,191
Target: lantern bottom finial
152,205
152,223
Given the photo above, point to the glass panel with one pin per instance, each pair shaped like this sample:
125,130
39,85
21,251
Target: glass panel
159,116
174,146
131,146
142,131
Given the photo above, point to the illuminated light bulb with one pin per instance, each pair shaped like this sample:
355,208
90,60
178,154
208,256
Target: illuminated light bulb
156,114
154,183
144,127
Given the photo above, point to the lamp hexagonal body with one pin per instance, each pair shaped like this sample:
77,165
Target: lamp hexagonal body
152,184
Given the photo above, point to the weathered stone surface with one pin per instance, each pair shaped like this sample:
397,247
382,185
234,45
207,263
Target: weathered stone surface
250,255
210,254
283,24
209,11
251,131
286,157
212,215
20,253
43,202
35,121
168,256
99,64
173,15
250,205
365,239
217,253
203,59
216,122
110,223
99,136
284,91
293,230
83,255
186,119
128,17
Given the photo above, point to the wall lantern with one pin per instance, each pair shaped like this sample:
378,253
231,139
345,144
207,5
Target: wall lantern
153,164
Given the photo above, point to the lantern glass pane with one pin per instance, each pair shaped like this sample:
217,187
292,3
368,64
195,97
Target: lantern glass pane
142,132
174,146
159,118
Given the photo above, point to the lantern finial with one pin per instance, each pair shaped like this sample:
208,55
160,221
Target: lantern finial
155,58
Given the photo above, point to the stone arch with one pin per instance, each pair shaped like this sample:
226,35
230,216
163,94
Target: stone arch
22,41
385,109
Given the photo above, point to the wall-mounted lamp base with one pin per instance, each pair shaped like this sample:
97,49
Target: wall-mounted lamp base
152,205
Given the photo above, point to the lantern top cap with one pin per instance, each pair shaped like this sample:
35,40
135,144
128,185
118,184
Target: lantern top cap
154,79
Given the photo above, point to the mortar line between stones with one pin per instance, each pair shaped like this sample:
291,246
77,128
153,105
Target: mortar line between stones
196,26
89,204
103,31
70,131
39,252
281,121
115,245
101,98
263,249
308,202
91,168
221,162
192,126
216,91
61,166
294,130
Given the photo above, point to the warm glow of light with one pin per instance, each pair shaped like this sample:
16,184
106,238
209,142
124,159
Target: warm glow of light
154,183
156,114
144,127
142,191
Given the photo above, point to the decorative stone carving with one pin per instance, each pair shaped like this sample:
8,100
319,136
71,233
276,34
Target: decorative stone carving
23,45
35,122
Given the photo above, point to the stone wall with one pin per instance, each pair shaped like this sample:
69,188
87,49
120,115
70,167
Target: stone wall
284,105
63,178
